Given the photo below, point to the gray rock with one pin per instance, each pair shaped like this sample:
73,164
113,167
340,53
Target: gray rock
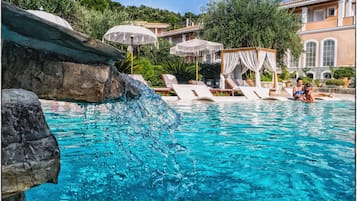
30,153
50,78
16,197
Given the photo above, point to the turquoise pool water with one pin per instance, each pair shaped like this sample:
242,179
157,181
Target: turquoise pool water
267,150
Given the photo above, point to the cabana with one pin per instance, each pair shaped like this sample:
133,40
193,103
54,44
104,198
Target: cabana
236,62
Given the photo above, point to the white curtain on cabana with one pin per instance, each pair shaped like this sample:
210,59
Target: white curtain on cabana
254,63
230,62
270,61
253,59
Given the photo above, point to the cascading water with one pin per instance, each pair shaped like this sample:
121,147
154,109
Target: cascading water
131,137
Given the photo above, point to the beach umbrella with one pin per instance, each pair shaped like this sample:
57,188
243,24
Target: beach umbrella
51,18
194,48
130,35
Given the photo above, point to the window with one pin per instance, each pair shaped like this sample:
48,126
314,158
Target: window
293,61
319,15
328,57
310,75
330,11
310,54
327,75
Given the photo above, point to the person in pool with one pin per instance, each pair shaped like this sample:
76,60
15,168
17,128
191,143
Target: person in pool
298,90
308,96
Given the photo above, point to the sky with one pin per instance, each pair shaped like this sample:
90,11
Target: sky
177,6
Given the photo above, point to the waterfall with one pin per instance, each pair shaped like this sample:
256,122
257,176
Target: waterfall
123,149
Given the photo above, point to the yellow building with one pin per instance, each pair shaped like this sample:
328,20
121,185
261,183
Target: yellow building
327,33
157,28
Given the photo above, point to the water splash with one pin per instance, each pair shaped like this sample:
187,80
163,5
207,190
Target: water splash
132,137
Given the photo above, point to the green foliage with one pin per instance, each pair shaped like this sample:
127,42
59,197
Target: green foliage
154,15
67,9
266,77
125,65
335,82
160,55
342,72
210,71
99,5
317,83
249,75
285,75
306,80
305,70
183,71
151,73
96,23
246,23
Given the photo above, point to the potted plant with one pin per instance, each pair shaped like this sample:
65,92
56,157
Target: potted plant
345,73
250,78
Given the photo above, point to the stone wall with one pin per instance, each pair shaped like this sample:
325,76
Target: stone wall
29,153
52,77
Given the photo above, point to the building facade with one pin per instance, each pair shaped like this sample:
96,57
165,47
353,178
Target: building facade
328,36
157,28
189,32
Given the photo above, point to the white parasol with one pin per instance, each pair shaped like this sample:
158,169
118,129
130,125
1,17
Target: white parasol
130,35
51,18
194,48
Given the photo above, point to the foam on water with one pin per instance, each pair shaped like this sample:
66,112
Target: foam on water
107,147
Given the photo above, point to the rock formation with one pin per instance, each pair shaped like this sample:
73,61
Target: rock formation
29,153
55,62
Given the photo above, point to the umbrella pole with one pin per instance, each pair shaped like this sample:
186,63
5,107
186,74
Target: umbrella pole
131,69
196,70
132,52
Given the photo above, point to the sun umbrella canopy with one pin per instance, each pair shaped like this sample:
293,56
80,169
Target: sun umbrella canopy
51,18
194,48
124,33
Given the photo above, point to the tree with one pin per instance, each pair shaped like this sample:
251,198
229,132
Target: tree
67,9
100,5
246,23
96,23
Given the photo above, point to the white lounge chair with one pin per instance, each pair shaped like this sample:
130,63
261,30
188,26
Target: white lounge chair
256,93
263,93
248,92
190,92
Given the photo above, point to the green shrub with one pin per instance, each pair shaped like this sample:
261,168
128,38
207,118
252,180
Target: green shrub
317,83
342,72
266,77
335,82
210,71
306,80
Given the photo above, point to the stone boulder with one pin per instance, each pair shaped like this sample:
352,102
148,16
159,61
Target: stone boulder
51,78
30,154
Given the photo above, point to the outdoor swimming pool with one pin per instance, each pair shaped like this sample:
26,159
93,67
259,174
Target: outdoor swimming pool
265,150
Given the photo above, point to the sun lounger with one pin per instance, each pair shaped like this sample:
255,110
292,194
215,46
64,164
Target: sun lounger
169,80
164,91
256,93
248,92
263,93
190,92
